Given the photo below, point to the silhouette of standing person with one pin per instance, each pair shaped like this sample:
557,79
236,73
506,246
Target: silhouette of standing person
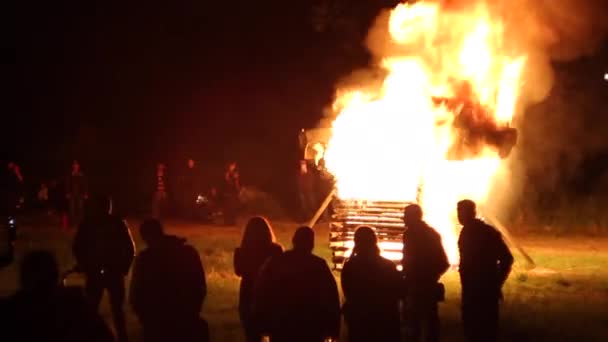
160,195
232,189
485,264
104,251
76,193
41,310
424,262
168,288
371,287
296,297
306,182
257,246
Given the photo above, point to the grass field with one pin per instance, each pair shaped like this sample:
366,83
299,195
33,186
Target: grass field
565,298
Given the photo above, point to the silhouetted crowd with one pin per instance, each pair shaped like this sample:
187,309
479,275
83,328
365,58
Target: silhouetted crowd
286,295
190,193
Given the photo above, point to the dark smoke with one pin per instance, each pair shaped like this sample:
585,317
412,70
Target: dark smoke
475,127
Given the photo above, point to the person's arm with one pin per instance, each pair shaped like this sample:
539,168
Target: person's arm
442,259
346,280
332,303
197,279
263,305
127,246
237,262
135,290
505,259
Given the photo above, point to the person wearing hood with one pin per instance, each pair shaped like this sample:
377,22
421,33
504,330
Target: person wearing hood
168,287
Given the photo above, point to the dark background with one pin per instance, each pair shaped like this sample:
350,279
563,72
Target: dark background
121,85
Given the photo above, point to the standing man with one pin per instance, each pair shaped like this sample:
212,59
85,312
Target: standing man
232,189
104,250
76,193
424,262
306,190
160,197
296,296
485,264
168,288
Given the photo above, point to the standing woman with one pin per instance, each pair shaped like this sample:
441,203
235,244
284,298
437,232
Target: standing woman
257,246
371,286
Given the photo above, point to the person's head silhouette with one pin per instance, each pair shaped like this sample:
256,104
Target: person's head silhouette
304,239
467,211
258,233
412,215
151,231
39,273
366,242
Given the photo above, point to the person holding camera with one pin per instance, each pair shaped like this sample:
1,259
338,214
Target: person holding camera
424,262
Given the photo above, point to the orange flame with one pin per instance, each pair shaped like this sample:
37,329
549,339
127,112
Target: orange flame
394,143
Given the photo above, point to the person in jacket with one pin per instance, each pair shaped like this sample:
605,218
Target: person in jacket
168,288
258,245
424,262
371,287
296,297
104,250
485,264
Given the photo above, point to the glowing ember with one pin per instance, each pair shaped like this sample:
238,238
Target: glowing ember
434,130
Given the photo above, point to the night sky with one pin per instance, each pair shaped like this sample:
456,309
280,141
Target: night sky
123,84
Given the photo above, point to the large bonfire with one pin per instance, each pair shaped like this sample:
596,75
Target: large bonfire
438,127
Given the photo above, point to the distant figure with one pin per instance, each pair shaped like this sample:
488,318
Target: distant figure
306,191
257,246
161,189
296,297
41,310
58,201
76,193
12,189
188,188
424,262
43,196
168,288
232,189
371,286
104,251
485,264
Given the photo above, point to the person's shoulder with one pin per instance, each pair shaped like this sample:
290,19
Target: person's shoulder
144,255
318,260
187,249
432,232
488,229
276,249
387,263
